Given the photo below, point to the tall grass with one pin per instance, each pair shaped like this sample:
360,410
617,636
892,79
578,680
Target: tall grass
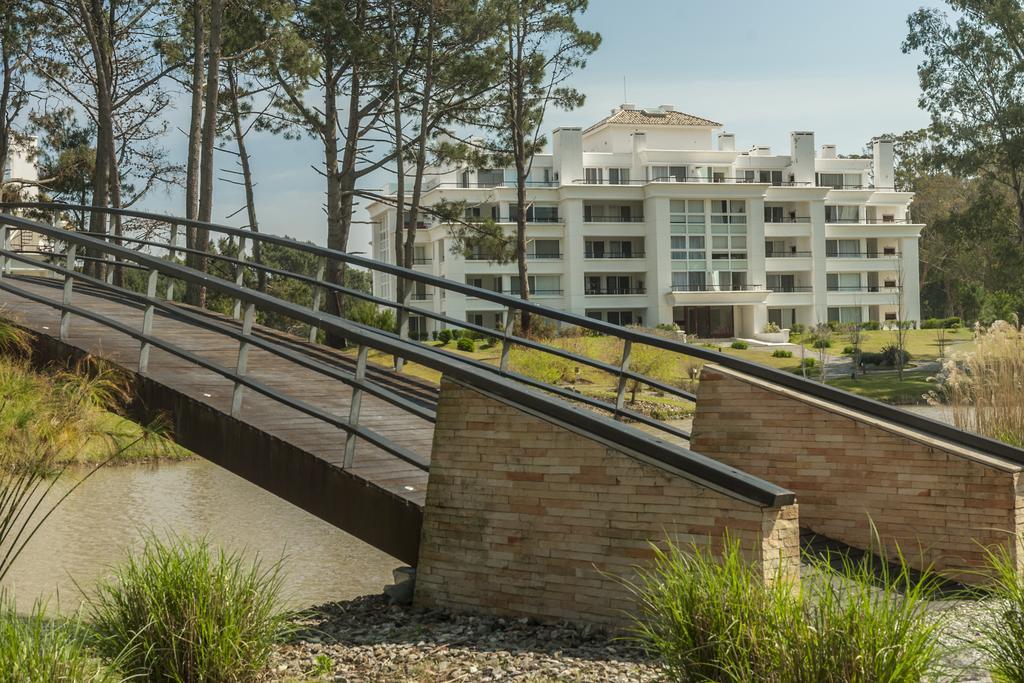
34,648
715,618
1002,637
984,388
182,611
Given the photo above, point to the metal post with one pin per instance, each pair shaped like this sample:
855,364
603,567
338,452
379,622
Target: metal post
318,293
147,322
109,279
353,411
69,282
239,276
506,345
620,396
243,359
5,240
171,254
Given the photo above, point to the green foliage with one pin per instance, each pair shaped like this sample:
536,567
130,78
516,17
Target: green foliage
797,329
367,313
849,350
667,327
14,340
35,648
466,344
871,325
891,355
822,343
782,353
444,336
541,366
652,362
771,328
716,619
740,344
1003,635
182,611
950,323
808,362
1001,305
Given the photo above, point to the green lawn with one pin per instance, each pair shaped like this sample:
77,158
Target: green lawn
923,345
886,387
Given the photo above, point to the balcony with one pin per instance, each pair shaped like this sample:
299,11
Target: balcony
544,257
591,291
536,292
786,219
863,254
616,255
743,180
717,294
421,261
612,219
789,254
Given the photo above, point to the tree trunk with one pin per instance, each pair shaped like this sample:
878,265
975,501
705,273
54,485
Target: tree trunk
206,170
519,105
404,284
243,155
335,229
5,100
195,127
115,201
104,133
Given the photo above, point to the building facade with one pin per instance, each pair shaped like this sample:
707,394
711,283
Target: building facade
653,216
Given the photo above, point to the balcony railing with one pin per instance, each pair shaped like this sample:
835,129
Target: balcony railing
789,254
614,290
863,254
616,255
692,179
718,288
489,184
789,289
864,288
613,219
421,262
866,221
788,219
542,257
536,292
511,219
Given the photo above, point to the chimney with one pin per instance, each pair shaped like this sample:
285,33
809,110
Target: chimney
760,151
883,163
567,154
828,151
801,156
727,142
667,108
628,107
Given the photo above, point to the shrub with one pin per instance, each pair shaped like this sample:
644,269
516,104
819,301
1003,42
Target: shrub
492,342
782,353
433,335
369,314
871,358
717,619
541,366
871,325
1003,634
444,336
182,611
35,648
771,328
797,328
667,327
739,344
822,343
808,362
891,355
849,350
457,334
466,344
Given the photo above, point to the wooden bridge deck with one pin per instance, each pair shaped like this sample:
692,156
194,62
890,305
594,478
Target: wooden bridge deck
373,466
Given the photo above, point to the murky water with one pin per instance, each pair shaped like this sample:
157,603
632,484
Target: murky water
107,516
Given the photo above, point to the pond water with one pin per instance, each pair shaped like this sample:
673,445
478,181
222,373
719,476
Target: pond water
109,514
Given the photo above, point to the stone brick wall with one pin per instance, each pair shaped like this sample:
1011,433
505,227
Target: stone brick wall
849,469
526,517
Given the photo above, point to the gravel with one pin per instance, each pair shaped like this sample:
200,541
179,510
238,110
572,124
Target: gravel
367,639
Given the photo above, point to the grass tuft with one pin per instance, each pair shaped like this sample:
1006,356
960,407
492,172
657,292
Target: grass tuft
182,611
1003,636
716,618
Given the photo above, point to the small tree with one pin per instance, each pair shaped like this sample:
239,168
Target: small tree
821,340
651,362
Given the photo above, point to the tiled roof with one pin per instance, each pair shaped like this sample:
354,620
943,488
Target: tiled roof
641,117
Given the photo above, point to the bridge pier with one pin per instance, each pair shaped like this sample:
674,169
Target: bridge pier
940,503
525,516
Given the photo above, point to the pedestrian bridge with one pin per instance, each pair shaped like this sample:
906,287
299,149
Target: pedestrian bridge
494,478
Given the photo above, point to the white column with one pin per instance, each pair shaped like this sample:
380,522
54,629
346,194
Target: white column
573,263
454,269
818,261
757,273
659,261
911,279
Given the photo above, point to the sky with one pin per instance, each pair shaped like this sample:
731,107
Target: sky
761,68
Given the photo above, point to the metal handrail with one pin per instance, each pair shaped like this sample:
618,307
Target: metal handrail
789,254
632,335
710,473
718,288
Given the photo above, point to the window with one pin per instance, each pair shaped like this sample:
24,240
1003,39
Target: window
845,314
618,176
783,317
773,177
544,214
686,216
843,282
732,281
686,248
839,181
464,179
667,174
619,317
541,285
848,248
593,176
490,177
781,282
730,211
890,316
544,249
778,248
773,214
689,282
841,214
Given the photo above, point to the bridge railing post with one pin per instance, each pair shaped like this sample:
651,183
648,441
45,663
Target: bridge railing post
239,277
620,394
171,254
318,293
147,321
5,241
243,359
355,406
506,344
69,284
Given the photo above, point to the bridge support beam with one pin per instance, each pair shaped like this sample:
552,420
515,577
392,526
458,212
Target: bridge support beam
525,516
939,502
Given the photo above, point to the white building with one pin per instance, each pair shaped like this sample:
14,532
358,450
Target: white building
653,216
